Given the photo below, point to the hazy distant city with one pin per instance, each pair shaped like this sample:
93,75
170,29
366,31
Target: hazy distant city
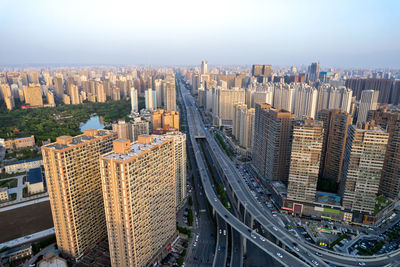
208,134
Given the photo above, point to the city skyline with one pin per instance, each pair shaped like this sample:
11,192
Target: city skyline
357,34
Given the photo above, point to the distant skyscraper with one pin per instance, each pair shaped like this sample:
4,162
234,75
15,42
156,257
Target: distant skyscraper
362,167
140,199
100,93
204,67
74,184
150,99
369,100
134,100
50,98
33,95
305,105
313,72
59,86
74,94
169,95
224,100
335,124
305,160
284,96
273,130
390,120
8,97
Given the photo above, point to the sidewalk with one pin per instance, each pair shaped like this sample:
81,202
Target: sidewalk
28,201
28,238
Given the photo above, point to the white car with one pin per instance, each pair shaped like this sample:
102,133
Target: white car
215,199
273,227
279,255
262,239
296,248
253,236
220,231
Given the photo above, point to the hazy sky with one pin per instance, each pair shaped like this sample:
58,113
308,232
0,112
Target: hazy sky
338,33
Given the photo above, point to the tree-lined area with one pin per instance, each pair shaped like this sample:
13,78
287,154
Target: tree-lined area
50,122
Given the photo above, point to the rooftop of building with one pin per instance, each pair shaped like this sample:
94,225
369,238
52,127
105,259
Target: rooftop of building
34,176
144,143
63,142
23,161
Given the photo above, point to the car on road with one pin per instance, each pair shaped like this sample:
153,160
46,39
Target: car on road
361,263
224,232
318,254
279,255
226,216
220,231
194,244
215,199
296,248
253,236
273,227
262,239
315,262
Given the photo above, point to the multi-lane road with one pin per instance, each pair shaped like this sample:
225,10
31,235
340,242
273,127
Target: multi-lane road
282,256
307,252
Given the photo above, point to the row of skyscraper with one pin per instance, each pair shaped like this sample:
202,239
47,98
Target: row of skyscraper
101,186
363,159
74,86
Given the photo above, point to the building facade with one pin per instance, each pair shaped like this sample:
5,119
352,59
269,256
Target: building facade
362,167
140,199
305,160
273,130
74,184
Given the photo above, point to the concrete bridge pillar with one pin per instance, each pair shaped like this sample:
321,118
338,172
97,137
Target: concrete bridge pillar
244,246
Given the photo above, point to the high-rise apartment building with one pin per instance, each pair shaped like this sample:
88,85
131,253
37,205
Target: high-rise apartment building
384,86
74,184
33,95
362,167
161,118
284,96
139,126
50,98
150,99
390,182
180,166
74,94
223,104
100,93
204,67
369,101
305,160
313,72
123,129
8,97
335,123
140,199
134,100
273,130
169,95
59,86
305,104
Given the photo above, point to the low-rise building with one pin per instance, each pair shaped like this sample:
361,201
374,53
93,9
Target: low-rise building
3,193
16,253
23,165
34,181
18,143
